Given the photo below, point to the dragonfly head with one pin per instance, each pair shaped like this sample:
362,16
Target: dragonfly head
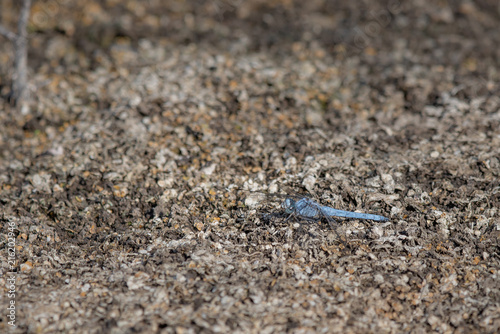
288,205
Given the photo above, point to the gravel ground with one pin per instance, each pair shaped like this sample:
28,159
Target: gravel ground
153,128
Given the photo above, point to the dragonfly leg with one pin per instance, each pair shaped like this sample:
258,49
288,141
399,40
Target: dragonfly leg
333,225
289,216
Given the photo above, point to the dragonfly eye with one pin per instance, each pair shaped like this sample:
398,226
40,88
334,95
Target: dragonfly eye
288,205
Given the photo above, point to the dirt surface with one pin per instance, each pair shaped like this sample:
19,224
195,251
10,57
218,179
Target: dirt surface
130,182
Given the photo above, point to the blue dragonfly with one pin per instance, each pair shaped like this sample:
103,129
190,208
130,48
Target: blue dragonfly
307,209
303,207
310,209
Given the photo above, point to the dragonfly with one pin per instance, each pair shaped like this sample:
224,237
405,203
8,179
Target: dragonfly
303,207
310,209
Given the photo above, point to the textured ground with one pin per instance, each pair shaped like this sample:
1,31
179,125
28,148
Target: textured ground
131,181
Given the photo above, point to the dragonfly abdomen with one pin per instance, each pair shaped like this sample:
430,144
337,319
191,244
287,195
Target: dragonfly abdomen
349,214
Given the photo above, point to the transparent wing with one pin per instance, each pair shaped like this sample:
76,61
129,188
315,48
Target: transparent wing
311,210
260,197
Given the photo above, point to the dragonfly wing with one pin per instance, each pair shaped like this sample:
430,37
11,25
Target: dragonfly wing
308,209
253,200
331,222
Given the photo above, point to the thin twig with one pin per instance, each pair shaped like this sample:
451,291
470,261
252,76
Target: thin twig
23,18
19,87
